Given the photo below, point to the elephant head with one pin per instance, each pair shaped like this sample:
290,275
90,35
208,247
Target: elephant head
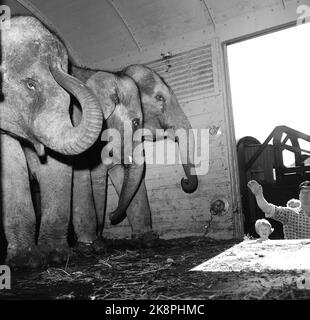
161,110
36,101
120,95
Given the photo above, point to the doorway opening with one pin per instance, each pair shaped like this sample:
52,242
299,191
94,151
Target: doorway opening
271,110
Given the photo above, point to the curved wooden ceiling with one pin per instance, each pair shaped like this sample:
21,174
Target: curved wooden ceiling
95,30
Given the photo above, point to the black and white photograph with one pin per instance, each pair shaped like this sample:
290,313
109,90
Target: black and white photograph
155,154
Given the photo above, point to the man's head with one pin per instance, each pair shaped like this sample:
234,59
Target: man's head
293,203
263,228
304,196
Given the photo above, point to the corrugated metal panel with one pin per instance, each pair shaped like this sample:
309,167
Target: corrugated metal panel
192,75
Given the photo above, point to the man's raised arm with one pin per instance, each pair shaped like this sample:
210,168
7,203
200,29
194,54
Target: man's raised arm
257,190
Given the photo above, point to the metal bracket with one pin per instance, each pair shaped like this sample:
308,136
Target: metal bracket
166,57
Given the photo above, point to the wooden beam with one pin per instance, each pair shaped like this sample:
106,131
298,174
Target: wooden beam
210,12
128,27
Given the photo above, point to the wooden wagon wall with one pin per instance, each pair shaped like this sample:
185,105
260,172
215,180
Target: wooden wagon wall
175,213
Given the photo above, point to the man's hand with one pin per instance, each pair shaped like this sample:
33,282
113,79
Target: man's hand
255,187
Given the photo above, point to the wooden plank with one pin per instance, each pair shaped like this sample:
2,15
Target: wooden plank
208,107
175,205
183,72
183,65
197,77
174,191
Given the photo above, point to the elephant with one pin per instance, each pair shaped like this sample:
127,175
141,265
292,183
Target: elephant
161,110
119,93
37,136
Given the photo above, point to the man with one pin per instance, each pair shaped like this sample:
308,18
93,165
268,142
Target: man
296,221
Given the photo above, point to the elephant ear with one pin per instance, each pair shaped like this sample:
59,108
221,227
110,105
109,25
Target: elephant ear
104,86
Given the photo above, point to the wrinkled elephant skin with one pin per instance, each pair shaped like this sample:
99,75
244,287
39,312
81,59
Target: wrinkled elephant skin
121,97
35,110
161,110
20,222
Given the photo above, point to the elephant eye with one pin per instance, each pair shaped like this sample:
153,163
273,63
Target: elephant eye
159,97
31,84
115,99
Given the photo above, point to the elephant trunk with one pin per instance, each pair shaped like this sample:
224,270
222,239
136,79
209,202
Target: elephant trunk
190,184
187,151
57,131
133,174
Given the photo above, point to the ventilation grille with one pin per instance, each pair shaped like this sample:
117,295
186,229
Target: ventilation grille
192,74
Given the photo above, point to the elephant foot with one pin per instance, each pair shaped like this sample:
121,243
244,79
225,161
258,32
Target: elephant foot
31,258
55,255
100,246
84,249
148,239
86,238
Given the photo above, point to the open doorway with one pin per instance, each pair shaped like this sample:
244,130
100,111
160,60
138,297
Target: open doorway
271,99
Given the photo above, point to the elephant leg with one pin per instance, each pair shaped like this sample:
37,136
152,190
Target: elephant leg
84,213
138,212
83,207
89,199
18,216
55,180
99,187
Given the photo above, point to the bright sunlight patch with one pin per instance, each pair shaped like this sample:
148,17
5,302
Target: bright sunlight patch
270,255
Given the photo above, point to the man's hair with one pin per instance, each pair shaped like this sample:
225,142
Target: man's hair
293,203
304,184
262,222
